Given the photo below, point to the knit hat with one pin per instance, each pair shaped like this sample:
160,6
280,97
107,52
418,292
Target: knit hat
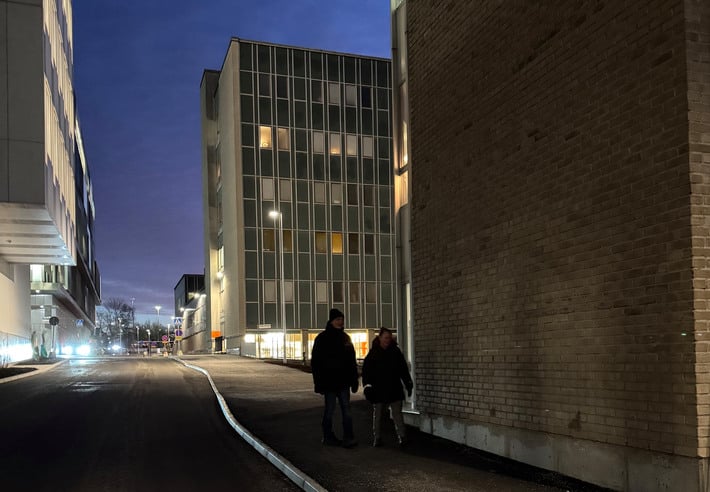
335,313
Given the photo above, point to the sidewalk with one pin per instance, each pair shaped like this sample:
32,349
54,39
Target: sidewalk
278,405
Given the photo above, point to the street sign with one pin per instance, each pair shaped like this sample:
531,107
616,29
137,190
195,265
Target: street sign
54,321
264,327
164,338
178,337
178,321
178,333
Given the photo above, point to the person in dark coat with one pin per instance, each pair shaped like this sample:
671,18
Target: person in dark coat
334,371
384,375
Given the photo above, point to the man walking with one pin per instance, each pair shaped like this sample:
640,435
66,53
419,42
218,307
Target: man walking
334,375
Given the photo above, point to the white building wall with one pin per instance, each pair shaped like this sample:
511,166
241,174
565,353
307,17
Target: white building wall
15,327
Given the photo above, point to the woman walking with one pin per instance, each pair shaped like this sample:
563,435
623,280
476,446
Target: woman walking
383,374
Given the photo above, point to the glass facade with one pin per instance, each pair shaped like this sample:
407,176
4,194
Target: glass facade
317,147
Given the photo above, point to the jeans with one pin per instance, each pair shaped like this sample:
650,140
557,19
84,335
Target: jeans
343,396
396,412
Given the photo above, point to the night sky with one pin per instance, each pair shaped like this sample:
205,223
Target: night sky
137,69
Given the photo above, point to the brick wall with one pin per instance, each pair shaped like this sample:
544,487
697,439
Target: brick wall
698,56
551,222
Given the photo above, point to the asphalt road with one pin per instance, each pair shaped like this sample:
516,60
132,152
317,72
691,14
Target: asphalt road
122,424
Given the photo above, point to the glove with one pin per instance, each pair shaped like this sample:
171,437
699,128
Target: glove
354,387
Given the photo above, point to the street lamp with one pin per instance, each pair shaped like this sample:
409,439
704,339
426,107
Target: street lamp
157,308
133,322
275,214
148,342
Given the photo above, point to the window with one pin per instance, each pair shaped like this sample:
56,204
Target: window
288,291
337,292
353,244
321,242
403,188
288,242
264,85
354,292
285,190
265,137
282,87
335,143
317,91
321,292
267,188
319,192
269,291
369,244
351,145
284,141
366,97
405,152
367,146
350,95
268,242
336,193
352,194
368,195
370,292
337,243
318,142
334,93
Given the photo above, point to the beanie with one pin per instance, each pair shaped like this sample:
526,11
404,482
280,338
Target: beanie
335,313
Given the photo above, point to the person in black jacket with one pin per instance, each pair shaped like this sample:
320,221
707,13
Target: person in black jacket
383,373
334,371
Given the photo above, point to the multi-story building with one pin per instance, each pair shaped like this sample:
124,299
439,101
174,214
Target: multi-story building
559,231
190,314
37,143
70,293
296,145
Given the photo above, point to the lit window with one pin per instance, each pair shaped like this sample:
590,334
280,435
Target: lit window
335,143
268,240
321,242
354,292
333,93
269,291
265,137
321,292
337,242
350,95
337,292
285,190
319,192
283,139
318,142
336,193
403,186
351,145
267,188
367,146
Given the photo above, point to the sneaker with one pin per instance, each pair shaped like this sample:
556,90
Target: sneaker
332,441
377,442
349,443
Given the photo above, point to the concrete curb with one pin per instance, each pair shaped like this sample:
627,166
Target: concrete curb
39,369
297,476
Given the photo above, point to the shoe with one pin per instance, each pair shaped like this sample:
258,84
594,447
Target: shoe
377,442
332,441
349,443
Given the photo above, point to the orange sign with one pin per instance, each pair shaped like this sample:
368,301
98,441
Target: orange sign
216,334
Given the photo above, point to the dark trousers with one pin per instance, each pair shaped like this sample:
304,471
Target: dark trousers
343,396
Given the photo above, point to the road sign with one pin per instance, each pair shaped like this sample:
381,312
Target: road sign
178,333
54,321
178,337
164,338
178,321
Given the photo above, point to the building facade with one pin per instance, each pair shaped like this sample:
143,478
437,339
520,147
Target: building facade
190,315
559,233
296,173
37,144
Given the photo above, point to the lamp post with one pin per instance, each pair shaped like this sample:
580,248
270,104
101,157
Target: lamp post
275,214
148,342
157,308
133,323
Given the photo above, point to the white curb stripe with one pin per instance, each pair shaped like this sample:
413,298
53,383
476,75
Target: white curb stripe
286,467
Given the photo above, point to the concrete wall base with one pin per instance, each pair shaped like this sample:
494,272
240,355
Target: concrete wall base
616,467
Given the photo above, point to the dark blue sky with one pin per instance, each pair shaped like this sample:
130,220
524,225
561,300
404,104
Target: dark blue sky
137,69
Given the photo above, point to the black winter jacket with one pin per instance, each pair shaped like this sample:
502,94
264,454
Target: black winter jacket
333,361
385,370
